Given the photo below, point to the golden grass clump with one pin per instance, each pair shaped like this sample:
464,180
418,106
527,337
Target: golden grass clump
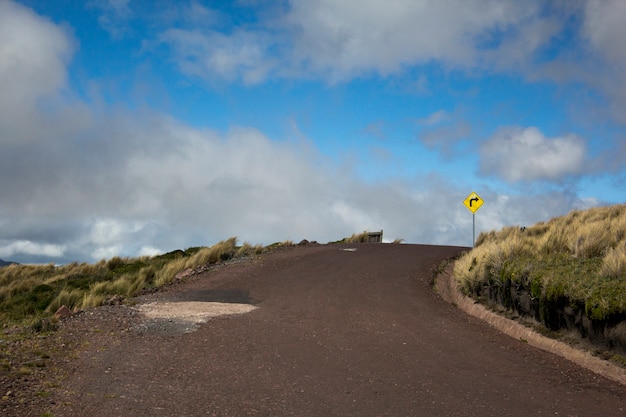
221,251
489,258
125,285
363,237
614,262
167,274
72,298
17,286
358,238
16,272
589,239
248,249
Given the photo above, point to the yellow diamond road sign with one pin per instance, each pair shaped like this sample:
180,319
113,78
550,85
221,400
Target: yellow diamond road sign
473,202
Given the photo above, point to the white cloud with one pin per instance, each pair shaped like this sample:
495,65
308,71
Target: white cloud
33,56
106,252
590,53
114,16
435,118
355,217
149,251
524,209
525,154
195,187
605,30
105,231
127,182
31,248
350,37
339,40
242,56
108,231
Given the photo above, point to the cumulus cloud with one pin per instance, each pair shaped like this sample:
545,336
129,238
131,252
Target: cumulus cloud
589,53
242,56
525,154
337,41
33,57
604,29
340,40
81,184
347,38
8,249
194,187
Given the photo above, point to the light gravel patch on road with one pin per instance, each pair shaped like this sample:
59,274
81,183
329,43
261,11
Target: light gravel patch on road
167,318
192,311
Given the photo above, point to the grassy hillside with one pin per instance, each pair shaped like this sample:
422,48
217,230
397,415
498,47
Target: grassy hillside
29,293
575,264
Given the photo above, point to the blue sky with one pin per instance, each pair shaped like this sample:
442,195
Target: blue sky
134,127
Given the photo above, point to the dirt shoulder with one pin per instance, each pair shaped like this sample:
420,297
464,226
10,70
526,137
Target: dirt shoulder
447,287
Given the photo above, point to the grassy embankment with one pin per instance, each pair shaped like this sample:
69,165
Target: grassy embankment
32,293
569,268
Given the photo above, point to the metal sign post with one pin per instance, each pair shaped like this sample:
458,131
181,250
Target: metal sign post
473,202
473,230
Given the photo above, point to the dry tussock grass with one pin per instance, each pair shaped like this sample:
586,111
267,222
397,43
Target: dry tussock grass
580,256
614,263
166,274
221,251
362,237
29,292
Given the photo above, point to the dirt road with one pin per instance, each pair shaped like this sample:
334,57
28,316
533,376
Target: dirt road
338,331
